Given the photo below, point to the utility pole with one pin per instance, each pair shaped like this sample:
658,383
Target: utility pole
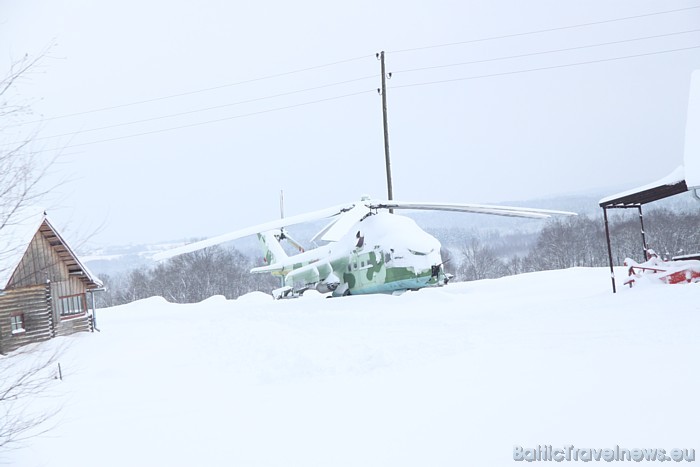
389,187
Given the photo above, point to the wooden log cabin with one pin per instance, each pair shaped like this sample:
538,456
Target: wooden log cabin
45,291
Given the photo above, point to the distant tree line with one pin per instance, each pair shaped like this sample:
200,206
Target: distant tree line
580,241
188,278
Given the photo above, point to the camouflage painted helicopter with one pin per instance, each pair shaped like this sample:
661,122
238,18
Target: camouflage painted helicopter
367,249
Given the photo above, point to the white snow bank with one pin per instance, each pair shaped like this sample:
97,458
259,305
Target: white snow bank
214,299
451,377
255,297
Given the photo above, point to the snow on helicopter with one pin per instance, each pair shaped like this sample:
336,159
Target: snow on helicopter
368,250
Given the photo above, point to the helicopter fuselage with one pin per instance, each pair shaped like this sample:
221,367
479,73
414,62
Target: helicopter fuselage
382,253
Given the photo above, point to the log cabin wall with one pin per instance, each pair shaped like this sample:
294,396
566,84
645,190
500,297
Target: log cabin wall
33,305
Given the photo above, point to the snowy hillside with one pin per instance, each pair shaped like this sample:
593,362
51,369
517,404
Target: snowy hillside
440,377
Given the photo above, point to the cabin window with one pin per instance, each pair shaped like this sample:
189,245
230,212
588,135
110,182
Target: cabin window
72,305
17,323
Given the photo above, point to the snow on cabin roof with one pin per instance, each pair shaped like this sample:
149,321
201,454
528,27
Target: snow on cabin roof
16,235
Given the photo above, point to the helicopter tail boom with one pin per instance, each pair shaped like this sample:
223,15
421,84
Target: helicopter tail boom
272,249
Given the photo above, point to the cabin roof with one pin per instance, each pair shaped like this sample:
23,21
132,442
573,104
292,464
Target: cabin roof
16,236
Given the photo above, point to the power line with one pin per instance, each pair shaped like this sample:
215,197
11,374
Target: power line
366,77
134,122
544,52
540,31
506,73
189,112
371,90
338,62
187,93
209,121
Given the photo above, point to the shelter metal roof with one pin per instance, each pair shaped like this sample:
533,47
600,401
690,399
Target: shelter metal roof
672,184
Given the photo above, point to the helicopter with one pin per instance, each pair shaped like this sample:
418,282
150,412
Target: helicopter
368,248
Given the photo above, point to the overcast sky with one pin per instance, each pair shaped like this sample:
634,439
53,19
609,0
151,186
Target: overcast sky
579,120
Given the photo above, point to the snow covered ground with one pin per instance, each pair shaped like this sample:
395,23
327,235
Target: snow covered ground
454,376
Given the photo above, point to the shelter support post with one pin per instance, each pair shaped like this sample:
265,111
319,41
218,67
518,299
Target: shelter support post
94,312
644,238
607,239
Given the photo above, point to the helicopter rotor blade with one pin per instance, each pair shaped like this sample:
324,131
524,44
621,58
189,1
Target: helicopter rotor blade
509,211
276,224
354,212
339,226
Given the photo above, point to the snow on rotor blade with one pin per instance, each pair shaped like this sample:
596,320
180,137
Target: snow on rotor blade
510,211
276,224
340,226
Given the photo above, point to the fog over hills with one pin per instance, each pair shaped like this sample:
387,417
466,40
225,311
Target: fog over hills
451,228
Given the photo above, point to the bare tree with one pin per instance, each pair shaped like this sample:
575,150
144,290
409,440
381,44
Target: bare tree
20,169
189,278
580,242
480,262
27,374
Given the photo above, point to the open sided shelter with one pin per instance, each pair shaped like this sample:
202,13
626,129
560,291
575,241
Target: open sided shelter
682,179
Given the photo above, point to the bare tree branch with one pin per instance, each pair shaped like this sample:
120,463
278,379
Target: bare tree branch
28,374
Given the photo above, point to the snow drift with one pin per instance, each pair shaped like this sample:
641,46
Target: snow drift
452,376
